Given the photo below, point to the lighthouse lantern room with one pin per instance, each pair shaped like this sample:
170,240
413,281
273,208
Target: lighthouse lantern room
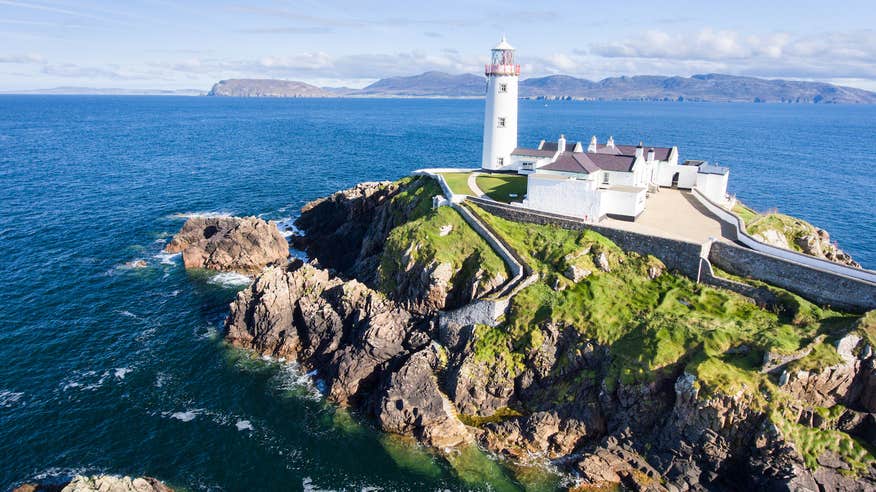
500,116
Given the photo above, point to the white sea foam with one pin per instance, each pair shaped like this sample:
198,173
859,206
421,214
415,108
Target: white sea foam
9,398
121,372
243,425
168,258
230,279
288,228
292,378
206,215
85,380
128,314
161,379
186,416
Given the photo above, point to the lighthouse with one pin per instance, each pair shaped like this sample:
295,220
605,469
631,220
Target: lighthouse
500,116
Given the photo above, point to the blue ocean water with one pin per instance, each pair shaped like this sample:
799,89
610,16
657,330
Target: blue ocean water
108,368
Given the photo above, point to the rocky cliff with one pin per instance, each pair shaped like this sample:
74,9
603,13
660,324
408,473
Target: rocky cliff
788,232
244,245
627,376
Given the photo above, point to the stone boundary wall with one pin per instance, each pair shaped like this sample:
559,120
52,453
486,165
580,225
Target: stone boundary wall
820,286
675,254
514,266
743,237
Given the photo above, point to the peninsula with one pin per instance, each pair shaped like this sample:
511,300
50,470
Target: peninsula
446,307
701,88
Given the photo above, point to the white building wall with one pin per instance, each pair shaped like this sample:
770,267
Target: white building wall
622,202
713,186
562,195
500,142
687,175
517,162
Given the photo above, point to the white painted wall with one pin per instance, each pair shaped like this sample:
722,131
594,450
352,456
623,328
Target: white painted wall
518,160
622,202
500,142
785,254
713,186
687,175
562,195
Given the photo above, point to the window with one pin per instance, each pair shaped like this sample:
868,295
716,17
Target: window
500,161
605,178
501,122
503,88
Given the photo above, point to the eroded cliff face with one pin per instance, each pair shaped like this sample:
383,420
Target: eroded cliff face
559,395
350,232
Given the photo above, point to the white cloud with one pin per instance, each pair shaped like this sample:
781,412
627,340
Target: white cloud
27,58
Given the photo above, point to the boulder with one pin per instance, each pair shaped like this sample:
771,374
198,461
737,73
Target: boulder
244,245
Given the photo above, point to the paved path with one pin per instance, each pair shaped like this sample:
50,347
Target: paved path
675,214
473,186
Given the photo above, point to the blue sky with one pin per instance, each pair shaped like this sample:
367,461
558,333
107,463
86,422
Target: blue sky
165,44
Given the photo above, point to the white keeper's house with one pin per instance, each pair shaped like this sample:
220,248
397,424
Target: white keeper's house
591,180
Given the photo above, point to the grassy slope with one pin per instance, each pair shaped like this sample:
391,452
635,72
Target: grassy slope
458,182
462,247
650,325
790,227
500,187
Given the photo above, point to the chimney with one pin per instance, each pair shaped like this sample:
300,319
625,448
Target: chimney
610,142
592,146
640,151
561,143
651,154
540,145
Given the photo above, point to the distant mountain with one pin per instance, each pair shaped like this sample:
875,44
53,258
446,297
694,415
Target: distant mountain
708,87
266,88
95,91
429,84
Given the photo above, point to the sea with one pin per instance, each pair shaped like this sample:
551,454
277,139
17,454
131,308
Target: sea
112,354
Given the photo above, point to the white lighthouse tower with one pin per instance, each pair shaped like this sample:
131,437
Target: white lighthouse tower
500,117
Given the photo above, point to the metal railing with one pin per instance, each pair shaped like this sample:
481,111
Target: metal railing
491,69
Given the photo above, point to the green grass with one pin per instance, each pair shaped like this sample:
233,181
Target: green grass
650,325
500,187
421,241
746,214
812,442
458,182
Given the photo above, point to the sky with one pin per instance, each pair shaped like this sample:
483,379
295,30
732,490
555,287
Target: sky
161,44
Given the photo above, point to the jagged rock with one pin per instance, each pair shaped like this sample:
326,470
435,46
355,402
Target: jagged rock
576,273
410,402
347,232
244,245
825,387
541,433
773,238
610,466
602,262
101,483
342,328
818,244
478,387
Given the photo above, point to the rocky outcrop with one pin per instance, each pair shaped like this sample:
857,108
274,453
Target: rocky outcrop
244,245
818,244
551,391
100,483
348,230
370,353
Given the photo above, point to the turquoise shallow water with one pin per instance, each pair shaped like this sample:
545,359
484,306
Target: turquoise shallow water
112,369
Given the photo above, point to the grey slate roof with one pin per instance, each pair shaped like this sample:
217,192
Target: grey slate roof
588,162
553,146
533,152
660,153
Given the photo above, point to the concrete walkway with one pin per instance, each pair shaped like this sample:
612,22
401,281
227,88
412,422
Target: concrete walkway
675,214
473,186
